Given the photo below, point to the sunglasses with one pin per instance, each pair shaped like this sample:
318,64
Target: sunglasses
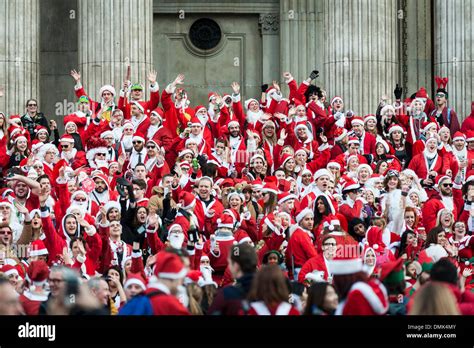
447,185
64,146
151,147
32,105
6,232
80,199
330,244
37,167
137,142
101,154
440,95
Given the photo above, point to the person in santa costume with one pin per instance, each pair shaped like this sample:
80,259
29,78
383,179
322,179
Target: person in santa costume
445,196
72,156
366,140
358,294
82,117
238,149
353,206
158,132
106,92
137,94
300,245
430,163
208,207
319,263
459,151
140,120
36,292
468,123
444,115
102,193
160,297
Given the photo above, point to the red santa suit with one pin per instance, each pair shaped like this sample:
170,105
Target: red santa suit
284,308
316,263
365,298
148,105
419,164
300,248
218,260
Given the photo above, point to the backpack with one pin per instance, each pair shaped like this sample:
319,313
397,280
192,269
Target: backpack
139,305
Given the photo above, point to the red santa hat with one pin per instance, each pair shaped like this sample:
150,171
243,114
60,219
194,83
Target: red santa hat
233,122
37,248
353,140
194,122
185,152
357,120
138,105
193,276
109,88
374,239
384,144
242,237
270,187
470,135
336,98
189,201
459,136
365,166
285,196
106,134
302,125
38,273
226,221
235,194
396,128
94,146
127,125
248,101
9,270
100,175
350,185
40,129
67,138
422,93
432,137
439,180
199,108
19,136
139,136
302,213
5,202
370,117
428,125
137,279
169,266
322,172
269,221
212,95
286,157
340,133
14,119
158,112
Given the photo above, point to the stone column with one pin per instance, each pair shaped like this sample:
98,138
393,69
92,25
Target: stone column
111,34
269,27
19,54
299,44
360,60
454,51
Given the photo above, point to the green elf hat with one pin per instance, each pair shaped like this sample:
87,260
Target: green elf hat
84,99
392,272
136,87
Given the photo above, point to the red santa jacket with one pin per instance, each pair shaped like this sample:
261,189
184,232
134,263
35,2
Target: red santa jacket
148,105
365,298
435,204
31,302
316,263
300,248
260,308
162,302
419,165
468,123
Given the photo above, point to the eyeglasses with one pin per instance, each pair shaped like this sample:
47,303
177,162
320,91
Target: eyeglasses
151,147
447,185
80,199
137,142
6,232
330,244
109,138
441,95
32,105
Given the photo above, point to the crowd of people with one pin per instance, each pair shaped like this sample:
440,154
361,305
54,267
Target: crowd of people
274,205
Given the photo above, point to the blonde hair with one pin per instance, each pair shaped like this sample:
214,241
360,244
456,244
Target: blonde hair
434,299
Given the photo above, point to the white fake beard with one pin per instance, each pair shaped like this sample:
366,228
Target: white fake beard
176,240
203,119
101,163
127,141
182,296
428,154
253,117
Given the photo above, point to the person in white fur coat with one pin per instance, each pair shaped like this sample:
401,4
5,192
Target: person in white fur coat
394,201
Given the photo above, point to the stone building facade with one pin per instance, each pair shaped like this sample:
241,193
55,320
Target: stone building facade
362,48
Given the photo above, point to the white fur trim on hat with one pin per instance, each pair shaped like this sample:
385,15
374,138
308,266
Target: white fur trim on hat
109,88
341,267
395,128
302,214
322,172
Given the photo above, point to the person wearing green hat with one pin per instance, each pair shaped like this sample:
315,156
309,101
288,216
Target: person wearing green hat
81,118
393,277
137,95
